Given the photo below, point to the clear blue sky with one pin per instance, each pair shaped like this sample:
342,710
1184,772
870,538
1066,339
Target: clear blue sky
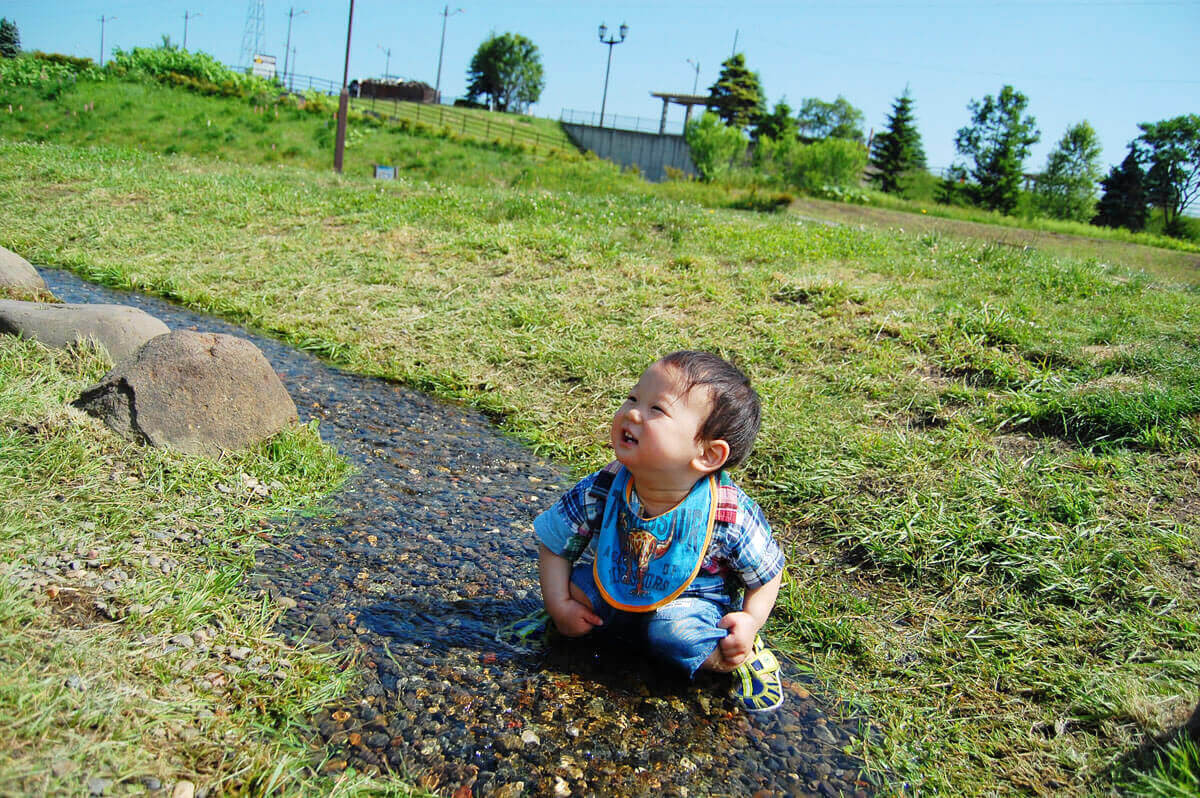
1113,62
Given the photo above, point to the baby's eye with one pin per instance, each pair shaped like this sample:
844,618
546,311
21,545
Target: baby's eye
657,408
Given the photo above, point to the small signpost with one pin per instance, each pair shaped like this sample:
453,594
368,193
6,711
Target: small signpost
264,66
385,172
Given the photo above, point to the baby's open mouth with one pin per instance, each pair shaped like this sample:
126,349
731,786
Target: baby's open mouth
627,438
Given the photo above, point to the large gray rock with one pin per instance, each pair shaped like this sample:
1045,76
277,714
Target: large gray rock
198,393
119,329
16,272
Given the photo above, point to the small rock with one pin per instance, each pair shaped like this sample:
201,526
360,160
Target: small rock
239,652
822,733
97,785
63,767
184,789
182,640
528,737
286,603
561,788
507,743
74,682
152,784
334,766
511,790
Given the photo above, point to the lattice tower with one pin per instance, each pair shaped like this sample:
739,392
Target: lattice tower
253,37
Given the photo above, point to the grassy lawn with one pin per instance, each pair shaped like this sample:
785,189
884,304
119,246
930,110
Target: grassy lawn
982,458
116,673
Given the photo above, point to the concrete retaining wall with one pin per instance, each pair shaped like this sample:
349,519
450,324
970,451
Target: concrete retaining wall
650,152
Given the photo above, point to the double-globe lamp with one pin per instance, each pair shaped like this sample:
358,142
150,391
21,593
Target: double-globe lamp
624,31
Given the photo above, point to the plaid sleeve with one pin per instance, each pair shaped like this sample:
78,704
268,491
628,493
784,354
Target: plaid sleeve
566,528
750,547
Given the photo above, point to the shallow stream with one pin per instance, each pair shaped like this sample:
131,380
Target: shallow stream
428,551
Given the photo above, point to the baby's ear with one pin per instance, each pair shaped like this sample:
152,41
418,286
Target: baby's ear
713,455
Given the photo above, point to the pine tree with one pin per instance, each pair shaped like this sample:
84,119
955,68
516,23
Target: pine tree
998,141
737,96
898,149
777,125
10,39
1123,203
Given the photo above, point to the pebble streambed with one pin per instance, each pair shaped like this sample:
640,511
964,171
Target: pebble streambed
426,552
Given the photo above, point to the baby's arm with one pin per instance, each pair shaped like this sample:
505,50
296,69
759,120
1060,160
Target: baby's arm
744,625
570,616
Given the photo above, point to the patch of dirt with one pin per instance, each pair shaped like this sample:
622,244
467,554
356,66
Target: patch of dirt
1021,447
77,608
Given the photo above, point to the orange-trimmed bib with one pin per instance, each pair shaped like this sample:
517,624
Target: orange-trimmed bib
644,563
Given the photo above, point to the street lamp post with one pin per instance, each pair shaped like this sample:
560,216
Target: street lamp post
187,16
287,47
103,19
339,148
696,80
437,88
624,31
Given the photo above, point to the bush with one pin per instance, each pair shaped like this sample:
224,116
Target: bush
37,70
188,68
813,168
714,145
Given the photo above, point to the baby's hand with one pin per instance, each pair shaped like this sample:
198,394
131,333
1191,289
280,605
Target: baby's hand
573,619
739,643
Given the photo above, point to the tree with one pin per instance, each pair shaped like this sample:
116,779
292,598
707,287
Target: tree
777,125
737,96
898,149
1172,147
998,141
836,120
508,69
713,145
10,39
1067,187
1123,203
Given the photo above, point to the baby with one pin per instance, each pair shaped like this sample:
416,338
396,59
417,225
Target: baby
673,542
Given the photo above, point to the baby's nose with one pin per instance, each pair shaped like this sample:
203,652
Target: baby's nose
635,415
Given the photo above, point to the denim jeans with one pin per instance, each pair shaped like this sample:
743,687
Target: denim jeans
683,632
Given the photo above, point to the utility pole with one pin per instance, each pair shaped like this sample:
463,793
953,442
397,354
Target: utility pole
185,22
624,30
103,19
696,80
387,51
343,101
287,47
735,38
437,87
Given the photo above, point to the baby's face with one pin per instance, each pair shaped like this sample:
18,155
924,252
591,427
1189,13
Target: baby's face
655,430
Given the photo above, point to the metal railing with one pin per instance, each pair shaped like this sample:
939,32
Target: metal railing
637,124
488,126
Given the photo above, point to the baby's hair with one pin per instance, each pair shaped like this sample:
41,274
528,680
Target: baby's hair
736,413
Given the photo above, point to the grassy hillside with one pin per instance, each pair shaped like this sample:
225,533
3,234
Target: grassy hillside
982,459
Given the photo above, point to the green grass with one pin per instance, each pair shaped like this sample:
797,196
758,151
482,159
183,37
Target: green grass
982,459
882,200
473,123
93,683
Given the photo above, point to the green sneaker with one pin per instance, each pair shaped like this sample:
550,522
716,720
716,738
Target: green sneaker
525,631
756,683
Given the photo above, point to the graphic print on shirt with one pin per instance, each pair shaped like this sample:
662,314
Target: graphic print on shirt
638,548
